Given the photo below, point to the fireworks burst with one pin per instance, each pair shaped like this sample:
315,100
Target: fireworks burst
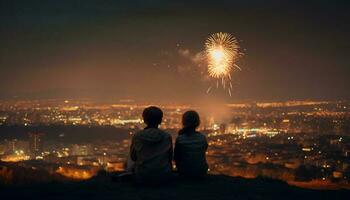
222,51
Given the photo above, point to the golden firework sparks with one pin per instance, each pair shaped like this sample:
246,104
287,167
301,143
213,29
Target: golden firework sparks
222,51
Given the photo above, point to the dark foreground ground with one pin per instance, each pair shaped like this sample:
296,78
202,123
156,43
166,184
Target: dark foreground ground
213,187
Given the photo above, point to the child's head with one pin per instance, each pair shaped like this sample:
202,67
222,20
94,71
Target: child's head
190,119
152,116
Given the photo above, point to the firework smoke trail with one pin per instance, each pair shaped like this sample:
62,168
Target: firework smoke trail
208,90
222,52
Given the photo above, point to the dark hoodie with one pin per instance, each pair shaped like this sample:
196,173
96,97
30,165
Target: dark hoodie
151,149
189,153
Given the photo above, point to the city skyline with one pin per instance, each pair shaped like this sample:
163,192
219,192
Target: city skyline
304,143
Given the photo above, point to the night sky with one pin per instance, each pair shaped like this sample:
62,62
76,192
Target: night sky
144,49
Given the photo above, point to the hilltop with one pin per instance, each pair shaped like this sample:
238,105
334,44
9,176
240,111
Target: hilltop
213,187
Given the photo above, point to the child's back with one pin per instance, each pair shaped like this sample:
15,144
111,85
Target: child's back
190,148
151,150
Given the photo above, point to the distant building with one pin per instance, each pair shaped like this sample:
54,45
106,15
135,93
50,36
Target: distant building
36,146
222,128
13,146
3,149
81,150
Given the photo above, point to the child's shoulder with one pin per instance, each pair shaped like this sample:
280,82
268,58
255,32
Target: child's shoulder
196,134
200,134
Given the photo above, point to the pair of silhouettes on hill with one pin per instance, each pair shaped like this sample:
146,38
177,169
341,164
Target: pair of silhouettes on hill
152,149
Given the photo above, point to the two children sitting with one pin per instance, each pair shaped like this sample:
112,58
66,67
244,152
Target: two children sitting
152,150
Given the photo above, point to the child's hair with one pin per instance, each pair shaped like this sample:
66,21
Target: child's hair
152,116
190,119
